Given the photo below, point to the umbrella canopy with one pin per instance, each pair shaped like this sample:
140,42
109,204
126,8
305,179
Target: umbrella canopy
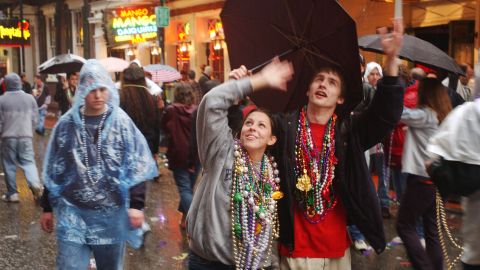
163,73
309,33
114,64
63,63
415,50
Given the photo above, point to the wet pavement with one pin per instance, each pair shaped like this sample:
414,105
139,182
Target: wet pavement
23,245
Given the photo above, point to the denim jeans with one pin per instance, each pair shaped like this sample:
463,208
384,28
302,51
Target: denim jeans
355,233
42,113
185,181
72,256
377,160
19,150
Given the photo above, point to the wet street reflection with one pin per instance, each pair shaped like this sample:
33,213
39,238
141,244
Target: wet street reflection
23,245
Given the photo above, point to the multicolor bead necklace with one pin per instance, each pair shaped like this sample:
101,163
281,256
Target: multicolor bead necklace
253,209
315,170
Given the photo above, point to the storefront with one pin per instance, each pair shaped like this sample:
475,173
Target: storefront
131,33
195,38
13,34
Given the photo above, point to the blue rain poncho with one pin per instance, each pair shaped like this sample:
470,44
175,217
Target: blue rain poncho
87,212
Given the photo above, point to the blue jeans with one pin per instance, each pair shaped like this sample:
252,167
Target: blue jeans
19,150
42,113
377,160
185,181
77,256
355,233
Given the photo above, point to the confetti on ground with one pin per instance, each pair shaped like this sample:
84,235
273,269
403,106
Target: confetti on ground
154,219
161,244
367,252
14,236
181,257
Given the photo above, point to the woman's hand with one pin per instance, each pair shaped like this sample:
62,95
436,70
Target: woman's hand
274,75
239,73
136,217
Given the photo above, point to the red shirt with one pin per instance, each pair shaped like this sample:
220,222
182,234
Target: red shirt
326,239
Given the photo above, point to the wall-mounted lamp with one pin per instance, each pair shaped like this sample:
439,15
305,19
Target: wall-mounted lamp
217,45
155,51
184,46
130,52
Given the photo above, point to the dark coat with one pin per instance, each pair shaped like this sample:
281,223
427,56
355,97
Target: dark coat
353,135
177,124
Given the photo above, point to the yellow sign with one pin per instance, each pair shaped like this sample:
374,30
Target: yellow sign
11,32
135,25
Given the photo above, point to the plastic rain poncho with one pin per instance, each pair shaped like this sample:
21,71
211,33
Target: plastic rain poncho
95,213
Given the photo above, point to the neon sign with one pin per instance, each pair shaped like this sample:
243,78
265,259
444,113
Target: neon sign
134,25
11,32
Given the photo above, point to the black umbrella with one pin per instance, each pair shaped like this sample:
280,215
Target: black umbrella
415,50
63,63
309,33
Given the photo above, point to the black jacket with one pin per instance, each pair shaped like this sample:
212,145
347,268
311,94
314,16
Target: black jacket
354,134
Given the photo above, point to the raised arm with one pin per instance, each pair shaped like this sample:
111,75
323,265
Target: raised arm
212,123
386,108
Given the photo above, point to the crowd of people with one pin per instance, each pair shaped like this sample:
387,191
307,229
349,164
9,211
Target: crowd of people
290,190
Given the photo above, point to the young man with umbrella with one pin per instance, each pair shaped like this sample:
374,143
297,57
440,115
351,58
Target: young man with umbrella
323,169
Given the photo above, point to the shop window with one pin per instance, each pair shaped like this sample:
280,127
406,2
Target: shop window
183,57
216,60
78,21
51,31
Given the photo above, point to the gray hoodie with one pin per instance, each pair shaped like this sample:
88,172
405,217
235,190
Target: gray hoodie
209,219
18,110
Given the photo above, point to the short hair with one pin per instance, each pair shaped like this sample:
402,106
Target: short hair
337,71
191,74
417,73
183,93
71,74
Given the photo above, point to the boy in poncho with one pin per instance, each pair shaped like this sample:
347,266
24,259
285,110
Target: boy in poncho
94,172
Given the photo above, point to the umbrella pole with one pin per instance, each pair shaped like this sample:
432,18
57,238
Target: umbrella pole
259,67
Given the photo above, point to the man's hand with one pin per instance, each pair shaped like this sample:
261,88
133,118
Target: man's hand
46,221
274,75
391,46
136,217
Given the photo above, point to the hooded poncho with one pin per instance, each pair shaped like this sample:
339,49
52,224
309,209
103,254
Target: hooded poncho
87,212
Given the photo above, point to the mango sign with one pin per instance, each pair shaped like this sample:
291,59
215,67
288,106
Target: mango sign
134,25
11,33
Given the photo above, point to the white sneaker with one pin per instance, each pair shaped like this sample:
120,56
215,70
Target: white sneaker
397,240
361,245
11,198
422,241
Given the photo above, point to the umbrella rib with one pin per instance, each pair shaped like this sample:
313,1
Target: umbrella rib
321,56
289,13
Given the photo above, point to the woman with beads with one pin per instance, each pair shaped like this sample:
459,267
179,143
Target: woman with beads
232,219
433,105
95,160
